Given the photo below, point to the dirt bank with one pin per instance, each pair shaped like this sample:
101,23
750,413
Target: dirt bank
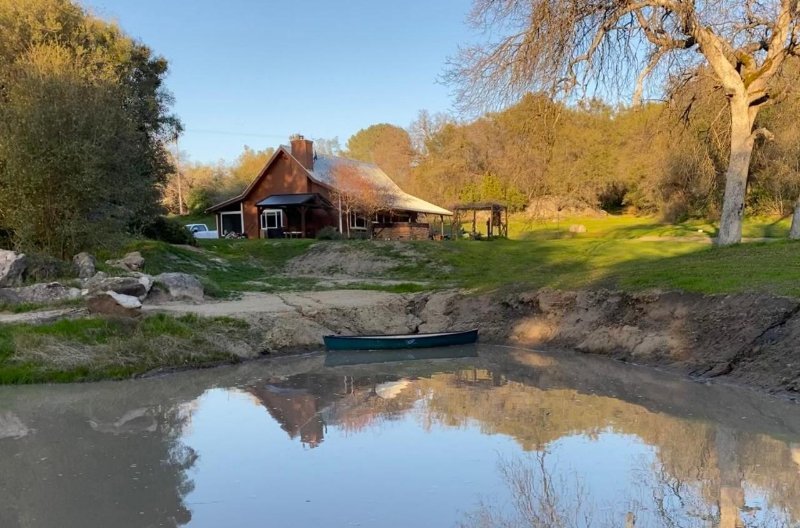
751,339
745,338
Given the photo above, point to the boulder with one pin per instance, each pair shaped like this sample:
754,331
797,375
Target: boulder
112,303
138,285
12,268
181,286
133,261
46,293
85,265
577,228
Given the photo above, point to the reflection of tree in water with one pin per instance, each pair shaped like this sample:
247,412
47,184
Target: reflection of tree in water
541,499
538,499
96,462
710,460
701,471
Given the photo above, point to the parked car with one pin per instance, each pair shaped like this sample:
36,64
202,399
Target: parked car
201,231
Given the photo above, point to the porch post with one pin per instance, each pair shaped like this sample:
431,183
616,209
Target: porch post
441,219
303,220
341,232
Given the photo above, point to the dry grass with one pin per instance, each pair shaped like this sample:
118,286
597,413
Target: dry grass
98,348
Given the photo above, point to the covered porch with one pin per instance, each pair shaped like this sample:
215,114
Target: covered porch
293,215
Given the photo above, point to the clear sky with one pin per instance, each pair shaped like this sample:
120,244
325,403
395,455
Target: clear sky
250,72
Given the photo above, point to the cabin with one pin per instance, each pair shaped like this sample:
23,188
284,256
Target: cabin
299,192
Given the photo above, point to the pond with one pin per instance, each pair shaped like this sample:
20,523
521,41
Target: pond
502,437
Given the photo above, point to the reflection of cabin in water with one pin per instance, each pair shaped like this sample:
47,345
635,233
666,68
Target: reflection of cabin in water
299,192
304,405
296,410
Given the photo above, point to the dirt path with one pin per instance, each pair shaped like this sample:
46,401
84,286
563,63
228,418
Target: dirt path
273,303
43,316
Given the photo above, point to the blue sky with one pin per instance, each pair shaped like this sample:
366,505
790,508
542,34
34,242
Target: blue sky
248,72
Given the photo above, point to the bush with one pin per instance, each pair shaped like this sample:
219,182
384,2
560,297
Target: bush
168,230
329,233
43,268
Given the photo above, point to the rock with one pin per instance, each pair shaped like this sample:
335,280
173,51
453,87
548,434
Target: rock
133,261
112,303
136,286
11,426
12,268
577,228
84,264
48,293
181,286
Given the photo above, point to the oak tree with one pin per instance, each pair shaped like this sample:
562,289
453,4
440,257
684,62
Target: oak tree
556,45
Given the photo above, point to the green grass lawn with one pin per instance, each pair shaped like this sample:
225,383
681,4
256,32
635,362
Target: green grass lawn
632,227
772,267
227,266
624,252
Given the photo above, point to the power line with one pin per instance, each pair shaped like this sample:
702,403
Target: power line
229,133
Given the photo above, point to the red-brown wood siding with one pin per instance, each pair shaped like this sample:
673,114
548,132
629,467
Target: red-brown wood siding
284,176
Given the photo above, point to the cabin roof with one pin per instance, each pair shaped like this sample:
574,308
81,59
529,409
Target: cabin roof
325,168
276,200
324,171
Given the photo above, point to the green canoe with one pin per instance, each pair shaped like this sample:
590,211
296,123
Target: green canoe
400,341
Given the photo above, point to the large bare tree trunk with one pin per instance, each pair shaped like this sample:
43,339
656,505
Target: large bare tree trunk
794,232
742,141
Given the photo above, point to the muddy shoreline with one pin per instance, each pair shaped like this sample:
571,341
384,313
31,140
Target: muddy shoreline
744,339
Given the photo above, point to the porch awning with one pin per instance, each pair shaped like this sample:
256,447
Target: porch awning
282,200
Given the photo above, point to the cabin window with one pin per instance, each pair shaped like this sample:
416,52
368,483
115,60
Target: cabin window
357,222
271,219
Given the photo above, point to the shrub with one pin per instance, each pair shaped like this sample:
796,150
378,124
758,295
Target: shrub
43,268
168,230
329,233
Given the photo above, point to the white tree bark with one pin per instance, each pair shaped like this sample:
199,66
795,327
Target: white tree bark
742,141
794,232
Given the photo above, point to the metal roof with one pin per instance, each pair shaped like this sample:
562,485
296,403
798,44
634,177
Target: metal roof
325,168
279,200
324,171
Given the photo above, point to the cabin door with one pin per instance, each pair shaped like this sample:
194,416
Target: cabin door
231,223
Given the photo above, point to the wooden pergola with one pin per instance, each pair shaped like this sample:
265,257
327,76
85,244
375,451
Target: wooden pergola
498,218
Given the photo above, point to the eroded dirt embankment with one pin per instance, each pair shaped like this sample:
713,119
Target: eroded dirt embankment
744,338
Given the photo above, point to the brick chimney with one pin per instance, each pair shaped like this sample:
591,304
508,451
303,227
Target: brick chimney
303,150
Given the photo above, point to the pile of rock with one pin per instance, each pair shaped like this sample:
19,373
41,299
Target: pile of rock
12,268
112,295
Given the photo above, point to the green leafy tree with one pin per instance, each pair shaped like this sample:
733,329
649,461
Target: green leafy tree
556,45
83,122
387,146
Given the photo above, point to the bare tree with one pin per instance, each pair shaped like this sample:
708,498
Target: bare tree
356,194
556,45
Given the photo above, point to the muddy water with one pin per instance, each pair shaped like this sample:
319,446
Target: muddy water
508,437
